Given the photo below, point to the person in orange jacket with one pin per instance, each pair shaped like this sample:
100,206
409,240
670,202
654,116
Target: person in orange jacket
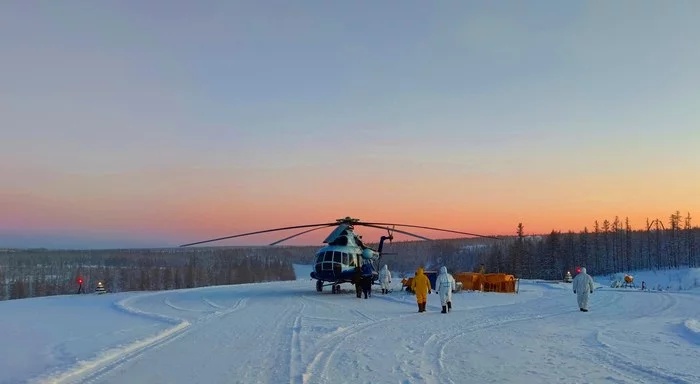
421,286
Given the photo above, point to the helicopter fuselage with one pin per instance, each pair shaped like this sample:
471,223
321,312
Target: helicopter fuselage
337,263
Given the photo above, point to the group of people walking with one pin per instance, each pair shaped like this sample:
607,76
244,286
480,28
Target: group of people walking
444,285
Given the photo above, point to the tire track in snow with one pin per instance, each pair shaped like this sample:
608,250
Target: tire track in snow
167,302
671,302
608,356
431,369
343,306
94,370
282,348
324,358
625,367
213,304
364,315
331,304
432,365
295,358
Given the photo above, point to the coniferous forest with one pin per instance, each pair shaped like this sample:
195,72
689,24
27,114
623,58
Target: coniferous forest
41,272
608,246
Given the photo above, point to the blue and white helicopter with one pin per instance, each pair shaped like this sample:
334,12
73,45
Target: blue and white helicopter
336,262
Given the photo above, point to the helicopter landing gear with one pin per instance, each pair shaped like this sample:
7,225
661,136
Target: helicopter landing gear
335,288
319,286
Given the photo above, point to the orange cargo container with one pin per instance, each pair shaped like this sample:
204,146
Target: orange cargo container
499,282
490,282
470,281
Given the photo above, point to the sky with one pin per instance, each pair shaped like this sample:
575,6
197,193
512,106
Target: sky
131,123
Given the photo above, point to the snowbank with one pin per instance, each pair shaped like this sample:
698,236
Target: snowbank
661,280
52,334
302,271
693,326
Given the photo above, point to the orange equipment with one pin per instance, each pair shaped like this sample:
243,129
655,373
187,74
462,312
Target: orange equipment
471,281
500,282
488,282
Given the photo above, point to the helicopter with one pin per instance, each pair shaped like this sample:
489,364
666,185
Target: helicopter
336,262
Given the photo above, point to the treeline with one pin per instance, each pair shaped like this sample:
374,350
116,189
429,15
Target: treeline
610,247
457,254
40,272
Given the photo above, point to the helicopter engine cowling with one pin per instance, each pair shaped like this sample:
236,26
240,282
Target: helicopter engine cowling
368,254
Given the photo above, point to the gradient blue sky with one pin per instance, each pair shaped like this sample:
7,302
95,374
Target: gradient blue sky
154,123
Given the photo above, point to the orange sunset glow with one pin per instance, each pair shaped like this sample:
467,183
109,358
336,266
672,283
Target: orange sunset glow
157,132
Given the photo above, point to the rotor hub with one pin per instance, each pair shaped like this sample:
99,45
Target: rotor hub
347,220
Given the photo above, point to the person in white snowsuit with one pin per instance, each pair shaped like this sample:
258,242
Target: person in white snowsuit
444,285
583,286
385,279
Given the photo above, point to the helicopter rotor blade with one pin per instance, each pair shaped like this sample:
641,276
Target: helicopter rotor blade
395,230
257,232
432,228
299,234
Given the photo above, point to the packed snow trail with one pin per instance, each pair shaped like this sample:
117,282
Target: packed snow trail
287,332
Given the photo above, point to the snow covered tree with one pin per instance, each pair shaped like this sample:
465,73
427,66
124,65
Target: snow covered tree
596,246
628,245
674,241
583,248
689,241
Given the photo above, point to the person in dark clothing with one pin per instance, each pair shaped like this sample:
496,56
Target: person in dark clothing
366,284
357,280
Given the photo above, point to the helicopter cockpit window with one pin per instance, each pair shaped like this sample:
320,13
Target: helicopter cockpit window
345,258
337,257
329,256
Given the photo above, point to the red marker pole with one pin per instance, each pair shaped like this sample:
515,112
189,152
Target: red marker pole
80,285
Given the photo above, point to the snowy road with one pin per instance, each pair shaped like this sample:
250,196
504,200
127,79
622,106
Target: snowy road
288,333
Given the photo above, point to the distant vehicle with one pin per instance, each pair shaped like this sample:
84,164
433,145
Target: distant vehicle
100,289
568,278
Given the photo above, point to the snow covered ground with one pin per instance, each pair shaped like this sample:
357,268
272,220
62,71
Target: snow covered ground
287,332
664,280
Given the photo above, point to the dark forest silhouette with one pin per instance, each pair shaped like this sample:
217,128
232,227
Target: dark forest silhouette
609,247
